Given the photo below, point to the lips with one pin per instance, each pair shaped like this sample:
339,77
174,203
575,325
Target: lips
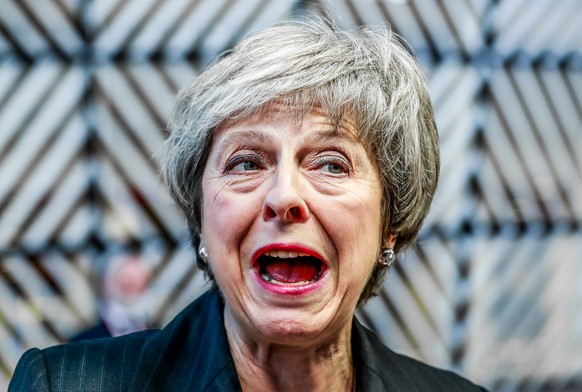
288,265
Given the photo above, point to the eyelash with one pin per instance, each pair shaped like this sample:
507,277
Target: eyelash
336,160
236,160
321,159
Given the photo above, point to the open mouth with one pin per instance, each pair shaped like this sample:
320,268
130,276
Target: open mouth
289,268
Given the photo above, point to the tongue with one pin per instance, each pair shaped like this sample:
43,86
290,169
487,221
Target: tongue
292,271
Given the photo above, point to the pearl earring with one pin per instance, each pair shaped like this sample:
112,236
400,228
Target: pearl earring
387,257
203,253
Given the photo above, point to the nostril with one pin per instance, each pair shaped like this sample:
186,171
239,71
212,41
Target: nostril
296,213
286,215
270,213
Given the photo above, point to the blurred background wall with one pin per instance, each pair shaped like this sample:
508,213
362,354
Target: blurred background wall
494,288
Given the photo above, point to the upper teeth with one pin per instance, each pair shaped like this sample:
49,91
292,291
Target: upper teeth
283,254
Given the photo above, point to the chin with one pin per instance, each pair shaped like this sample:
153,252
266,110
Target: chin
290,332
297,326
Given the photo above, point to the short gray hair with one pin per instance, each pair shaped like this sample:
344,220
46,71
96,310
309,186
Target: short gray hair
368,73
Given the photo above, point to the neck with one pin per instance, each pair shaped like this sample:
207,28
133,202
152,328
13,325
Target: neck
266,366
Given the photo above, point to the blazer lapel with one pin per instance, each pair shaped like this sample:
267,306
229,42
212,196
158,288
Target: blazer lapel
191,353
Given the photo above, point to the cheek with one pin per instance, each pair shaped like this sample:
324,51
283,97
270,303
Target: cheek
359,217
356,228
220,236
227,218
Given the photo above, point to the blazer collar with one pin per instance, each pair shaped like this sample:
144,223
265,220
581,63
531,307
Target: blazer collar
190,353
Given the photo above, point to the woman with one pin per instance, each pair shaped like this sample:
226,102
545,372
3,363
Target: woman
303,159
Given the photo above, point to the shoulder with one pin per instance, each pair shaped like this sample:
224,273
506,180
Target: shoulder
72,365
392,371
30,373
121,362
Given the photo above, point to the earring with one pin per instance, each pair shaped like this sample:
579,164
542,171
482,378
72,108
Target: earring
387,257
203,253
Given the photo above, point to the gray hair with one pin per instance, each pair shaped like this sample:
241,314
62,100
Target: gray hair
368,73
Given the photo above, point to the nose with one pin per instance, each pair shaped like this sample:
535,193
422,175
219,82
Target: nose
284,200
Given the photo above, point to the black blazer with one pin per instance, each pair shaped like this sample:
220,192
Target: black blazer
191,354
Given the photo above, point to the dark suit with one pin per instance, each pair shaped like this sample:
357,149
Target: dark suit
192,354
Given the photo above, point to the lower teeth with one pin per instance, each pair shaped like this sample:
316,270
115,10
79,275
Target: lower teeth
267,278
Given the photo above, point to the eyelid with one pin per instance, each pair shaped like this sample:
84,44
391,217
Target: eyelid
238,158
335,156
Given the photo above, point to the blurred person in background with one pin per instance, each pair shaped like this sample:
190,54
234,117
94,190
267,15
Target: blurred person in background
123,283
304,160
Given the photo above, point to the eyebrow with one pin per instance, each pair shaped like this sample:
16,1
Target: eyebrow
242,136
256,136
331,134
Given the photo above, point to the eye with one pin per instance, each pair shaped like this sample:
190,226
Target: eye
245,166
334,165
334,168
244,163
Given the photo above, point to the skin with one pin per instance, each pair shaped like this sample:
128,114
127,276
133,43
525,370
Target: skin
268,182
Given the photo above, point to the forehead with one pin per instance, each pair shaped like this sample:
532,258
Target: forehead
293,116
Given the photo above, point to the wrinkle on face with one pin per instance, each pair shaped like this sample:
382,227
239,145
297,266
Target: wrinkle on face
343,223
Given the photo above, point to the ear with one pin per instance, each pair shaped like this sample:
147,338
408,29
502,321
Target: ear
390,241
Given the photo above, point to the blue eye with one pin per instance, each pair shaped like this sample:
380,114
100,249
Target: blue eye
244,163
332,164
335,168
245,166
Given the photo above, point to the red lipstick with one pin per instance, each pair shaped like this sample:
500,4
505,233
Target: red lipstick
288,268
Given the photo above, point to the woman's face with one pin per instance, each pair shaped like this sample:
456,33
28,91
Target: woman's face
291,222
